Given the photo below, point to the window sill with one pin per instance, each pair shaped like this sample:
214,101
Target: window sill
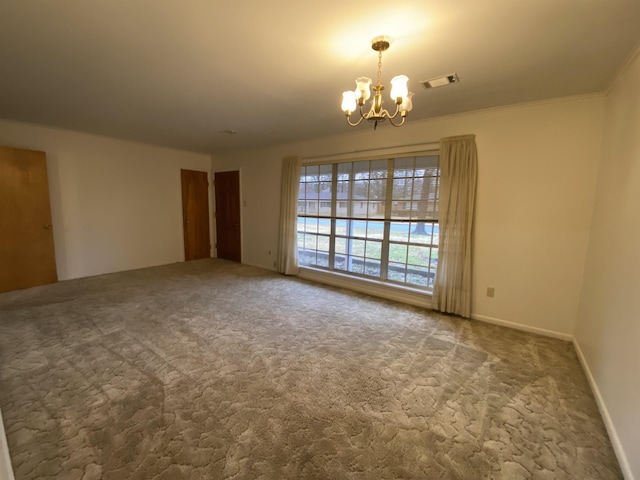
411,296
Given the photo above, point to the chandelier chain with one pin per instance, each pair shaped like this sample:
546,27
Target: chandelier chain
379,67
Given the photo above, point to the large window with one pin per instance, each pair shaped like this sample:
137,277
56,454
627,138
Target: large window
372,218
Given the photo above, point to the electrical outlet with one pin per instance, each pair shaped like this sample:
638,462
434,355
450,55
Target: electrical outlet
491,292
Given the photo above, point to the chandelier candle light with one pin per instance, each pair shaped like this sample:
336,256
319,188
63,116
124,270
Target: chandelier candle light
399,94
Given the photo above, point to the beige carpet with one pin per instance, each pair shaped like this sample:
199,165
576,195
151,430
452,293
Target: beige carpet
213,370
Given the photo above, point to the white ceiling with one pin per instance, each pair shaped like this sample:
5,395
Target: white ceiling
177,72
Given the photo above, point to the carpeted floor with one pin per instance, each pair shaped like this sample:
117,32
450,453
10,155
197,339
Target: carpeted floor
213,370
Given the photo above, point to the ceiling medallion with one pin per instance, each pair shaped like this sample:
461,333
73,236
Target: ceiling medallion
399,94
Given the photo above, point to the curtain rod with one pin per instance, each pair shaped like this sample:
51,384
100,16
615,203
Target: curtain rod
423,144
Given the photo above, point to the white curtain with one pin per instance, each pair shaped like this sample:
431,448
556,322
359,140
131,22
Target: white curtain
458,179
288,244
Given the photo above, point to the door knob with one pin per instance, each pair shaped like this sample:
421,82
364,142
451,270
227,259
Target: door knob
48,227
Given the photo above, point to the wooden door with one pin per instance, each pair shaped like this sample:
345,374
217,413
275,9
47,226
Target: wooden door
27,256
195,214
228,235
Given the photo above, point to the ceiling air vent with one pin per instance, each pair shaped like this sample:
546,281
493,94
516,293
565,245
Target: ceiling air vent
441,81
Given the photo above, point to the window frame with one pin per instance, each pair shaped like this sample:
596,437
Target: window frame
387,219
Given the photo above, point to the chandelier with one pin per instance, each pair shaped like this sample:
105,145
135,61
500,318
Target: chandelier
399,94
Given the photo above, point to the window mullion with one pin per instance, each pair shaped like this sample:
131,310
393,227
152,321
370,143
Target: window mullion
386,234
349,232
334,211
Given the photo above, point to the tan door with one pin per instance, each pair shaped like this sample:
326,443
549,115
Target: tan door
27,257
195,214
228,238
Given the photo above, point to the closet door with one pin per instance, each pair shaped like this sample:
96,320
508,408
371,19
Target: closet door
228,225
195,214
27,256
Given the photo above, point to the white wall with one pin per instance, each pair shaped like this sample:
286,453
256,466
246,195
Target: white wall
537,170
115,205
608,330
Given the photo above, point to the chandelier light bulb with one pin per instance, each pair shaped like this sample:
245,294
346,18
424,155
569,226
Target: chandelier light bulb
399,89
363,89
407,104
349,102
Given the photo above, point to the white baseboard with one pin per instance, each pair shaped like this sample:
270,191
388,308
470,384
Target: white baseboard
6,472
524,328
416,298
271,269
604,412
